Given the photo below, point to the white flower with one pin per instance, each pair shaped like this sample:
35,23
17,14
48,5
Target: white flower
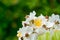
51,31
34,26
54,18
25,30
25,38
31,16
34,36
57,26
49,24
41,16
19,38
44,20
40,30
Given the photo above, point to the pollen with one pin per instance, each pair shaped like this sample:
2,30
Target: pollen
19,35
38,22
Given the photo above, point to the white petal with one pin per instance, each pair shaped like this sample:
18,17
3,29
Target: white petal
40,30
19,38
29,30
25,38
57,26
54,18
51,32
49,24
33,36
32,15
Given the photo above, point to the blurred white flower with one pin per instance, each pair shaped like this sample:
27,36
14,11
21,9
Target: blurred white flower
44,20
40,31
27,38
34,26
34,36
49,24
54,18
57,26
25,30
31,16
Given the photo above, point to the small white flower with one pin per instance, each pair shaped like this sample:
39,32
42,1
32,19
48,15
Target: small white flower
19,38
57,26
34,36
34,26
44,20
40,30
25,30
31,16
27,38
51,31
54,18
49,24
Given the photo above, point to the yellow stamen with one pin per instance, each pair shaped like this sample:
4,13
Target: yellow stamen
38,22
19,34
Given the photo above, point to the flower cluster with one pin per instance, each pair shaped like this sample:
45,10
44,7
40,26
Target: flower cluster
34,26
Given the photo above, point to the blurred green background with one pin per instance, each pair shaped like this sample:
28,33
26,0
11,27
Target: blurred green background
12,12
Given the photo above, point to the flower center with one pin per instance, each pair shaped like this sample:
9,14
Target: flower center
19,34
38,22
